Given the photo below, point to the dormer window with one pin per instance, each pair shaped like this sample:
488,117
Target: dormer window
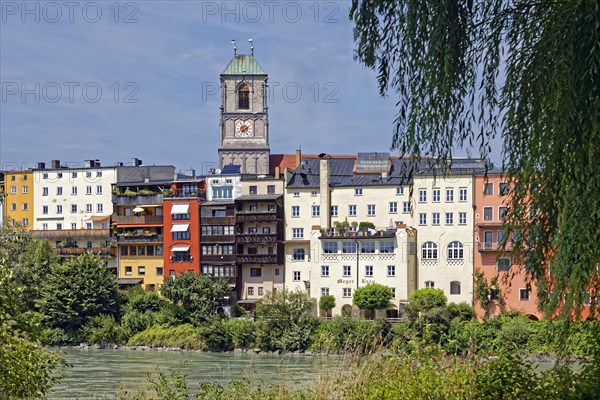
244,97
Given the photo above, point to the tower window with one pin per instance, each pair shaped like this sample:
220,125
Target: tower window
244,97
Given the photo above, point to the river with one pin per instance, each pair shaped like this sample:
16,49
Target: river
98,374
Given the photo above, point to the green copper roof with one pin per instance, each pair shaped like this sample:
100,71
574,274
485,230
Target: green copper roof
243,64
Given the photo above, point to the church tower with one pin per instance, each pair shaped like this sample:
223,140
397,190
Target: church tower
244,124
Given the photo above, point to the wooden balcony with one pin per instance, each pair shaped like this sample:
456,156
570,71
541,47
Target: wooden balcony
140,239
122,200
230,220
138,220
77,251
72,234
257,238
218,258
257,258
217,239
494,246
256,217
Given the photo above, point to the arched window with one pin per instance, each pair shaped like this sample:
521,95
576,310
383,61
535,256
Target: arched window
455,287
244,97
430,251
455,251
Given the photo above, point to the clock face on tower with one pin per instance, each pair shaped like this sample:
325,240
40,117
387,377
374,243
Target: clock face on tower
244,128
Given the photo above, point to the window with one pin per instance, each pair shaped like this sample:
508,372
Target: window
314,193
393,207
462,194
99,208
330,247
244,97
346,270
181,235
449,218
99,173
88,174
13,206
455,287
502,213
25,221
349,247
393,289
252,208
45,226
250,291
324,270
296,194
297,233
73,208
128,270
25,206
88,190
334,211
253,189
399,191
261,291
488,213
44,209
369,270
141,250
386,247
449,195
494,294
88,208
503,264
436,195
358,191
316,211
59,175
225,192
276,271
13,178
296,276
488,188
324,291
423,219
299,254
430,251
295,211
252,230
346,292
13,190
406,207
178,256
391,270
352,210
422,195
73,190
59,209
142,270
255,272
73,226
25,189
271,189
73,174
172,273
455,250
524,294
370,210
44,191
501,237
462,218
159,271
98,189
367,247
59,226
59,191
429,284
503,188
266,230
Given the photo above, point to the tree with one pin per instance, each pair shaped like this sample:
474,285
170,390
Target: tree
327,303
198,294
76,291
372,297
468,71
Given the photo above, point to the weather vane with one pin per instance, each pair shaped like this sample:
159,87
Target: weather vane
251,46
234,43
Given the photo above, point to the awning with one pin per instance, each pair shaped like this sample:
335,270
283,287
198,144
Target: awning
180,248
180,228
248,301
98,218
180,208
129,281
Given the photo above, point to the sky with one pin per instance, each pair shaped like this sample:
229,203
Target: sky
114,80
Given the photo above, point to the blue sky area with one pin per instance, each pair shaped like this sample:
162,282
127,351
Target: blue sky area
157,65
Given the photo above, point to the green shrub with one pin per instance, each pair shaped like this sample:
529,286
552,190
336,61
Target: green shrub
241,332
184,336
463,311
170,314
142,300
327,302
215,335
102,329
135,321
346,334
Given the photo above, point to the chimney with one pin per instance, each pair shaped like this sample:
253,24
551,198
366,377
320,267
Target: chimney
40,165
136,162
55,164
277,172
298,157
96,162
119,164
88,164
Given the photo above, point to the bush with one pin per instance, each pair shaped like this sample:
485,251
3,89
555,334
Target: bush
102,329
327,302
135,321
343,334
372,297
462,311
215,335
241,333
184,336
141,300
170,314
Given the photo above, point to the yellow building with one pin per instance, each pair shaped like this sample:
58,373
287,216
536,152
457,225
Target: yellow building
19,198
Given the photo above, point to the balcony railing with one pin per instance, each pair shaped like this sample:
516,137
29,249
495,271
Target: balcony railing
138,220
140,239
218,239
71,233
332,234
77,251
257,238
226,258
494,246
256,217
122,200
229,220
257,258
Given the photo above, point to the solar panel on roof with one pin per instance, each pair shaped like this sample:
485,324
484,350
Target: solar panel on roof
231,169
372,161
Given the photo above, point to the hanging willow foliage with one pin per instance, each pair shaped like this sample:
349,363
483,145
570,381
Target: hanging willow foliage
528,72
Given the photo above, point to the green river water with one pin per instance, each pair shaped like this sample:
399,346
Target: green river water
98,374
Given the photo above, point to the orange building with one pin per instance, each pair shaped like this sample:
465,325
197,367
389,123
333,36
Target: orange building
509,288
182,235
